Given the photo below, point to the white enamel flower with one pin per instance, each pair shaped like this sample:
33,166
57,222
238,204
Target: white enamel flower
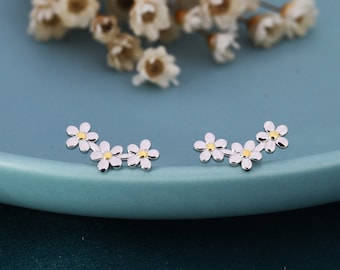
266,30
82,137
107,156
157,66
245,154
221,45
77,13
222,13
299,17
104,28
123,52
273,136
45,24
141,155
148,17
190,20
211,148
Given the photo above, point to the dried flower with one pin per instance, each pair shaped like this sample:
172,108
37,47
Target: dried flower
190,20
266,30
77,13
148,17
45,24
223,13
221,45
104,28
123,51
158,67
299,17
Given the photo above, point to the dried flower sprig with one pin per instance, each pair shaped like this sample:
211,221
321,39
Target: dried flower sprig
160,20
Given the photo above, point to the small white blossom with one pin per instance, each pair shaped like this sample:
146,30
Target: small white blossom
77,13
273,136
149,17
123,51
222,13
45,24
158,67
299,17
142,155
104,28
245,155
211,147
266,30
82,137
190,20
221,45
107,156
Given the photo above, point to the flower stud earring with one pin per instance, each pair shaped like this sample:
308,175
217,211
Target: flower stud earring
82,137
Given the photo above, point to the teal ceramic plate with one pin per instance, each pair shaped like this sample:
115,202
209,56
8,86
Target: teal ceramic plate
47,86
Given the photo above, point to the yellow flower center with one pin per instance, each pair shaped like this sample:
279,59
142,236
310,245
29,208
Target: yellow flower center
81,135
246,153
210,146
273,135
143,154
107,155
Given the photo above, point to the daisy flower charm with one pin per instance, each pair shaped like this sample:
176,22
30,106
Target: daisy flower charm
106,157
82,137
141,155
245,154
211,147
272,136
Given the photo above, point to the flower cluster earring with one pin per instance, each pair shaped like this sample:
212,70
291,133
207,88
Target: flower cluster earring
107,156
243,154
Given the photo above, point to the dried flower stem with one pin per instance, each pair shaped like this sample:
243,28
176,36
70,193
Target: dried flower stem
269,6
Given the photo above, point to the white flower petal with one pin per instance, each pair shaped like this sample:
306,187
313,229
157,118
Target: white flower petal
217,155
235,159
259,147
115,162
132,148
145,144
255,156
116,150
72,130
262,136
209,137
236,147
199,145
97,155
92,136
84,146
282,130
249,145
105,146
85,127
72,142
269,126
133,161
221,143
282,142
205,156
246,164
227,152
145,164
153,154
270,146
103,165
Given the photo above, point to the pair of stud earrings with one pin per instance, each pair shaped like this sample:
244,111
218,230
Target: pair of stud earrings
246,154
141,156
110,157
